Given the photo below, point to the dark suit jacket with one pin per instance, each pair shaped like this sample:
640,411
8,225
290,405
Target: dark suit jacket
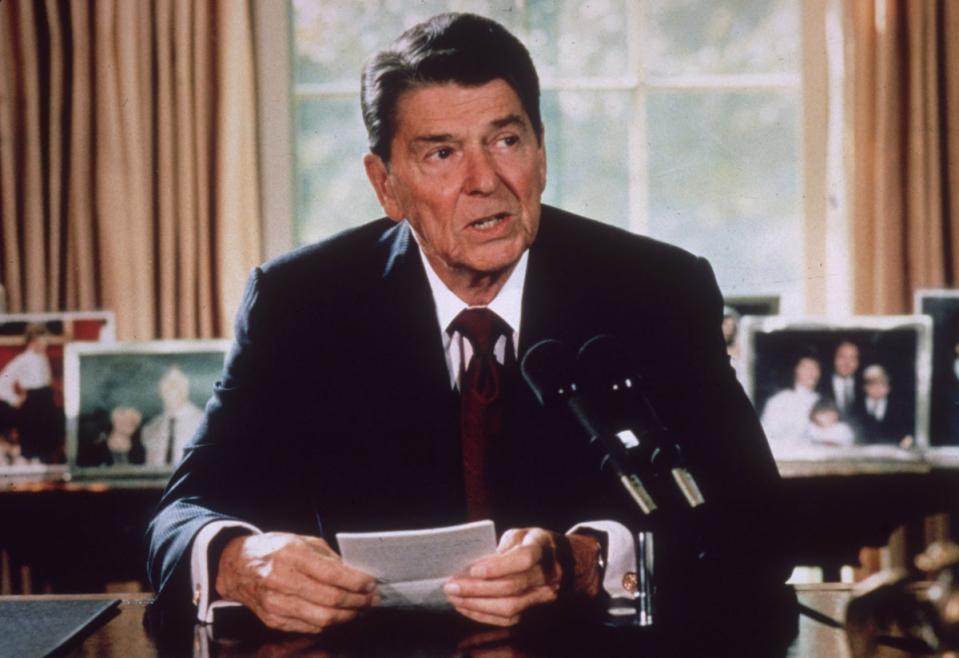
895,424
335,412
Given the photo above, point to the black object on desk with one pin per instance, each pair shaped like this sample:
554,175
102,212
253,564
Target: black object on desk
39,627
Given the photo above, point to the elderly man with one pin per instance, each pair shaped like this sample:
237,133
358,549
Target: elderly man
373,382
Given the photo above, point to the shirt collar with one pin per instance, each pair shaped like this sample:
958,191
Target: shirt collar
508,303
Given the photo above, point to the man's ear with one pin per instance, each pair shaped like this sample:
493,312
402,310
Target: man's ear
379,175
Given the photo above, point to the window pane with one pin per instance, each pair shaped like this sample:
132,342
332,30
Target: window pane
722,36
580,38
332,192
724,183
587,148
332,40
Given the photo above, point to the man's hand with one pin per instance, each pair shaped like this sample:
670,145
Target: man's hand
525,572
292,582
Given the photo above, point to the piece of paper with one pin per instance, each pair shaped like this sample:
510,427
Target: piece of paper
411,566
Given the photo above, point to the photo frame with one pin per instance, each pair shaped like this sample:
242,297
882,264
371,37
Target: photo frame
734,308
32,408
942,307
754,304
132,406
877,405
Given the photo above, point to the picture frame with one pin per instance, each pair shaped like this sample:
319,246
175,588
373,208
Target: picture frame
32,406
941,305
132,406
734,309
753,304
880,411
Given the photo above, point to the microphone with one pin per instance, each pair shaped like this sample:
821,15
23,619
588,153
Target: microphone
607,374
548,369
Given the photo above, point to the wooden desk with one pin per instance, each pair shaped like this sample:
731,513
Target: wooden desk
72,537
125,635
836,509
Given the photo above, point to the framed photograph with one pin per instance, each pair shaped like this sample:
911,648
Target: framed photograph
942,306
32,428
754,304
836,390
733,311
132,407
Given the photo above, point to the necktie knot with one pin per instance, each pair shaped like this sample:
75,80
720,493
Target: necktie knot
481,327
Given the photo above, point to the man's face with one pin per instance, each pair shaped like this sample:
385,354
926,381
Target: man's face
846,360
467,171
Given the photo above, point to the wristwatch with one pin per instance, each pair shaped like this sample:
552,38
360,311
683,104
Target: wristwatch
603,540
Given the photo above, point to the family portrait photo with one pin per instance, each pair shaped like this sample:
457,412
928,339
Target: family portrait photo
825,389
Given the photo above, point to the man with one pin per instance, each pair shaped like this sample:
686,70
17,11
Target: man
350,399
166,434
844,385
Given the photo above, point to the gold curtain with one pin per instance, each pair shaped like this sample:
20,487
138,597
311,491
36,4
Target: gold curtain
904,60
128,166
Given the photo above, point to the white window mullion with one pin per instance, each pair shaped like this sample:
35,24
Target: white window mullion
638,135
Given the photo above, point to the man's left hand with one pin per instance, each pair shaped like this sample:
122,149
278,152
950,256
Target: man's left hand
525,572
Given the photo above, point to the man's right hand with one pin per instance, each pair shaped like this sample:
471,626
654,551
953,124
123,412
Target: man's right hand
292,582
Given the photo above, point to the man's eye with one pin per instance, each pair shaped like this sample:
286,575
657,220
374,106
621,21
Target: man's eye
510,140
441,154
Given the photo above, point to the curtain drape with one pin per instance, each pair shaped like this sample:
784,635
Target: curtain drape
904,98
128,165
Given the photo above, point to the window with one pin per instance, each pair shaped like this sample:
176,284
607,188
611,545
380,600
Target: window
679,119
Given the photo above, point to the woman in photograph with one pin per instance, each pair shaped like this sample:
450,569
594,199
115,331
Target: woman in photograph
25,385
786,414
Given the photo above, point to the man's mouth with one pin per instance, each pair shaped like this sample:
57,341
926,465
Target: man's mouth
487,223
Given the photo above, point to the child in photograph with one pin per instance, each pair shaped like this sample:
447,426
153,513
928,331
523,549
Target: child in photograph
825,427
886,421
25,386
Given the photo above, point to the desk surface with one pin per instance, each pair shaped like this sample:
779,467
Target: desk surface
125,635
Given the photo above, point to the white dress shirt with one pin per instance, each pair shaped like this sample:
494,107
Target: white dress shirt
156,433
27,371
844,392
786,418
508,305
877,407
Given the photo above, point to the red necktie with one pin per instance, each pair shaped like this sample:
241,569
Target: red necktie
481,403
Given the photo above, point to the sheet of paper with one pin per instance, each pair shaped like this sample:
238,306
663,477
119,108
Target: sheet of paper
411,566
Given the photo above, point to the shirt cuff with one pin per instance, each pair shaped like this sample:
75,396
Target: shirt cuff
620,563
203,593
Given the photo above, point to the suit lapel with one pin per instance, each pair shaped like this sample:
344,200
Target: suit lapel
417,373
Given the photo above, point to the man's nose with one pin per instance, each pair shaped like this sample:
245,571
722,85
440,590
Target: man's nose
481,173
